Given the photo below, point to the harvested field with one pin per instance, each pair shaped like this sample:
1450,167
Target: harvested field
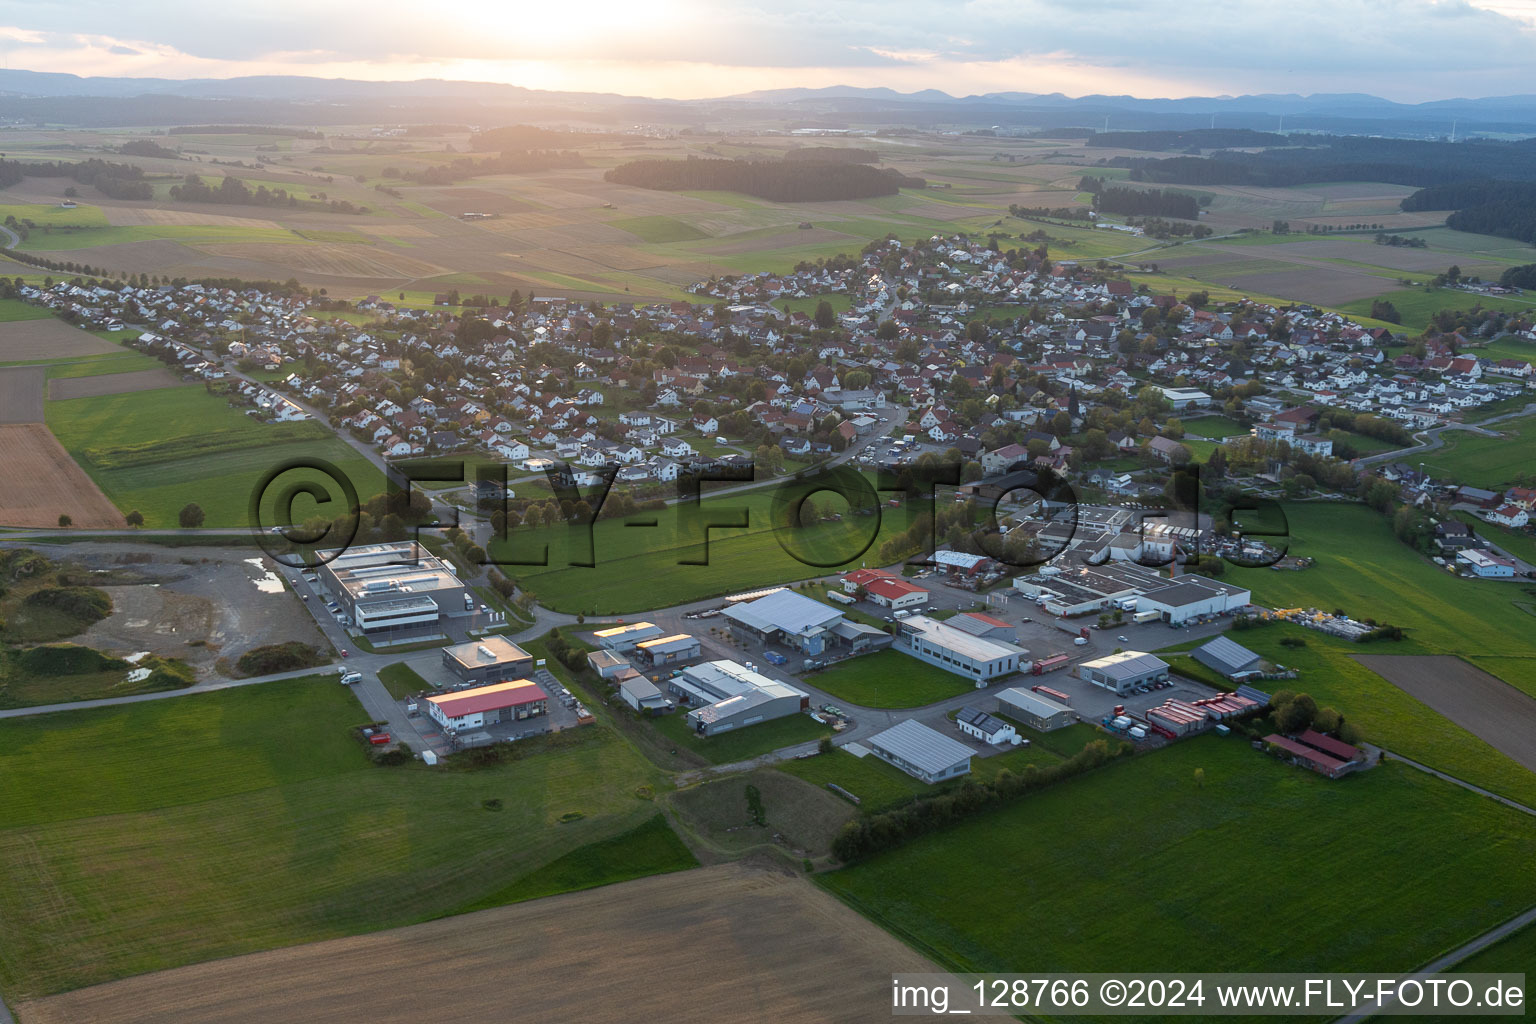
21,394
330,258
768,243
1484,705
28,340
39,482
111,384
778,947
136,216
1326,287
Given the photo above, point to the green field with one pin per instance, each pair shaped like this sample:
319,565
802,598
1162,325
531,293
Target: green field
645,567
839,301
1214,426
402,681
1263,867
82,216
12,310
147,836
158,450
889,679
1482,461
1363,569
659,229
88,237
1417,306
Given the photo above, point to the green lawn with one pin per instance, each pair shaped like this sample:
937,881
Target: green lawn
53,213
12,310
160,480
1214,426
740,744
889,679
1481,461
643,567
875,783
1264,867
402,681
143,837
839,301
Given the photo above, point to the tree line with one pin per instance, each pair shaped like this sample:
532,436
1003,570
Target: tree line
115,181
1199,138
1503,208
510,162
1151,202
1341,158
788,181
233,191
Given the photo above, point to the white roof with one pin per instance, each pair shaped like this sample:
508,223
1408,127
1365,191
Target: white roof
926,749
1032,702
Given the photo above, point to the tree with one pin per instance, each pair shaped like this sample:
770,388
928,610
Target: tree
1296,715
191,517
824,317
134,519
755,806
64,520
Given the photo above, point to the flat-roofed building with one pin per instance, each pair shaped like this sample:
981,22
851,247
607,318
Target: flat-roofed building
624,638
668,650
491,659
392,586
1191,597
984,625
1124,672
921,752
977,658
642,694
489,705
1040,713
607,664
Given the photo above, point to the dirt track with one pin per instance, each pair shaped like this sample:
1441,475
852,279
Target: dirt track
39,482
716,945
21,394
1482,704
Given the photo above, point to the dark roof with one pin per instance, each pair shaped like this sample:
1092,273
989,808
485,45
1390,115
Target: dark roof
1225,656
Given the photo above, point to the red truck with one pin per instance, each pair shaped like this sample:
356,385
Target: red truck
378,739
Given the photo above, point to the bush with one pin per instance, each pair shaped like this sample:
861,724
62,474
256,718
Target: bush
66,660
284,657
85,603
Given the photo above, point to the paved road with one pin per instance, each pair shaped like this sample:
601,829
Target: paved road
1433,439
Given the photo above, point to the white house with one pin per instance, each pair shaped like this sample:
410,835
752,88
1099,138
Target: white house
987,728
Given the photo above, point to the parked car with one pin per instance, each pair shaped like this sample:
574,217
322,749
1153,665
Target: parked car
1122,639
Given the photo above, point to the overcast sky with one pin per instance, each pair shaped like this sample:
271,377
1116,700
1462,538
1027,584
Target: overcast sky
1406,50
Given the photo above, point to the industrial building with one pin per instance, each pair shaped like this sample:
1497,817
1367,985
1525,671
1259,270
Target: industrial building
607,664
1228,657
642,694
885,589
493,659
1191,597
488,705
1039,713
383,587
921,752
786,617
955,650
1124,672
728,695
624,638
985,727
985,626
668,650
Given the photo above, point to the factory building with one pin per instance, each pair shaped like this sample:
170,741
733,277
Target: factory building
492,659
1038,712
786,617
1193,597
668,650
624,638
728,695
1124,672
921,752
488,705
382,587
977,658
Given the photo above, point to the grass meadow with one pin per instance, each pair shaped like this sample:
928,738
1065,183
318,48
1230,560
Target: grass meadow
151,835
889,679
1264,866
168,470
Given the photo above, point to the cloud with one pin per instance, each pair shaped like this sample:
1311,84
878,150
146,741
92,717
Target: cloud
1409,49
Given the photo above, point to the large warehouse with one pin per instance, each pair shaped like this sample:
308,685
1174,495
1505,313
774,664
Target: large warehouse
921,752
1124,672
488,705
492,659
1190,597
1029,708
733,696
978,658
787,617
390,586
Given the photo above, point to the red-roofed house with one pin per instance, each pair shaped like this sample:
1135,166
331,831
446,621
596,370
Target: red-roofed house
1509,515
488,705
895,594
